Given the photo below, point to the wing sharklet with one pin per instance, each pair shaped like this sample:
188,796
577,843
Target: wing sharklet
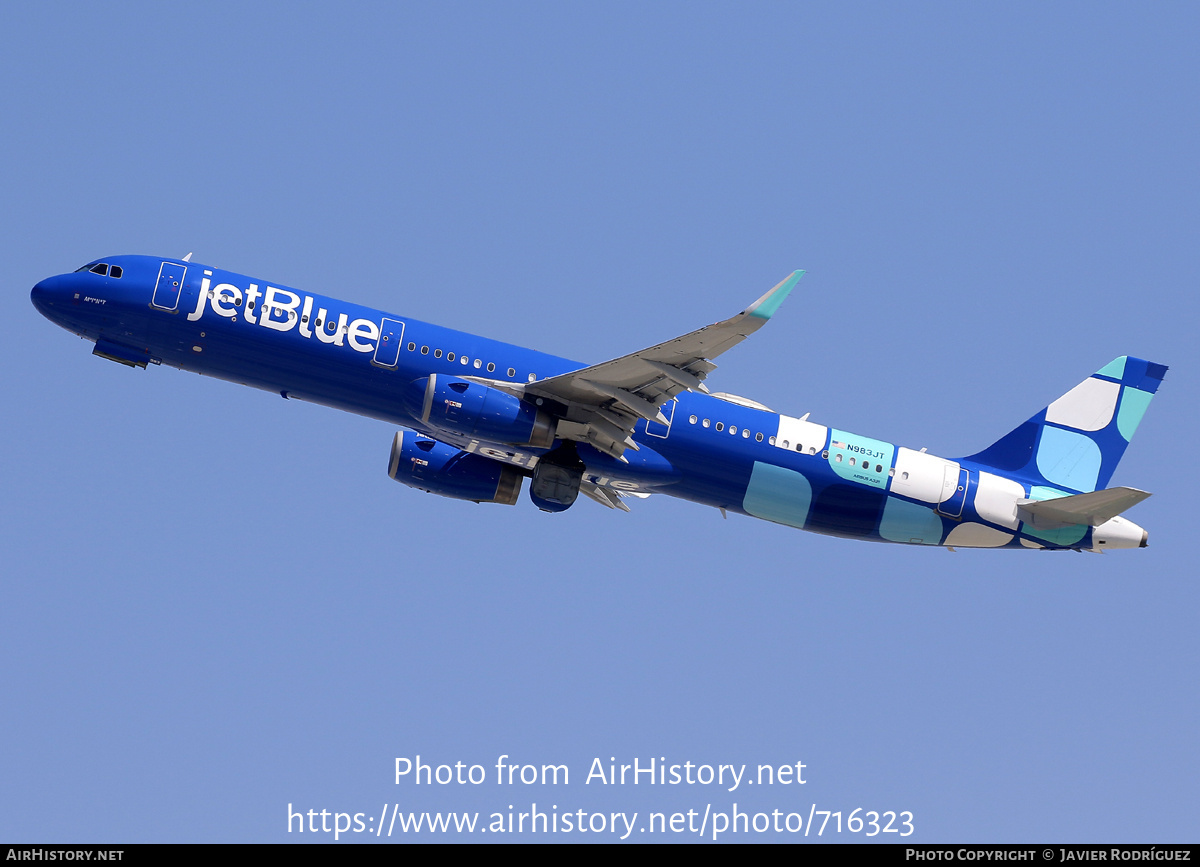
765,307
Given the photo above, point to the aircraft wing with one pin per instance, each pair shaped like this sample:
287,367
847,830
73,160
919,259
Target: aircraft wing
601,404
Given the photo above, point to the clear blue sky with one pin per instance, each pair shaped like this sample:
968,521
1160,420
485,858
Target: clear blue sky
214,602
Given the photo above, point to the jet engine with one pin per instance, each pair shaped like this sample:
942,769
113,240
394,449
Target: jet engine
437,468
469,408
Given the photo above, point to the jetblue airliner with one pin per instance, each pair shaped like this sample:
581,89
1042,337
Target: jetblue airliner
479,416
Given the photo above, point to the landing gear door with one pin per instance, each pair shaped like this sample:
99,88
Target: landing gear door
168,287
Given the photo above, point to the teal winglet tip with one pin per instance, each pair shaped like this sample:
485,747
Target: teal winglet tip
765,307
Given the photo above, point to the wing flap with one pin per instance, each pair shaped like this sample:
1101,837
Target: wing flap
606,497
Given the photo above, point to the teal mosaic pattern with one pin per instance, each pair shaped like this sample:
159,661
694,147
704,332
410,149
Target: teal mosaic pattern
907,522
1068,535
1114,369
1077,441
779,495
860,459
1068,458
1133,406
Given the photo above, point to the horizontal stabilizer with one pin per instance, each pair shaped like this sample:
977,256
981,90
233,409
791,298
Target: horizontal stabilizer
1093,509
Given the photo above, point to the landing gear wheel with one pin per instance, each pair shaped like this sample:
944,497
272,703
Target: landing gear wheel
556,479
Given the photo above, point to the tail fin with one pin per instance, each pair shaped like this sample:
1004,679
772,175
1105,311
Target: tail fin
1076,442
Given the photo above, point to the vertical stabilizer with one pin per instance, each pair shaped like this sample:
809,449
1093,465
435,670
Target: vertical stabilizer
1075,443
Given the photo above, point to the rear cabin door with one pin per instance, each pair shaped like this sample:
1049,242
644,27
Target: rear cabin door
956,481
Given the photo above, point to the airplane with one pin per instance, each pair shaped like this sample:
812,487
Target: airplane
479,416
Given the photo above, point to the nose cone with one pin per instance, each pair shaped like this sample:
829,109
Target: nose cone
57,298
49,295
40,296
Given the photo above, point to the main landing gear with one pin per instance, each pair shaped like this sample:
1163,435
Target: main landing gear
556,479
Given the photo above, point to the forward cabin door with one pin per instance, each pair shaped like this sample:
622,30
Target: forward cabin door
169,285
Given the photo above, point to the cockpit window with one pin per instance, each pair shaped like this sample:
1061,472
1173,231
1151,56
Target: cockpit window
103,270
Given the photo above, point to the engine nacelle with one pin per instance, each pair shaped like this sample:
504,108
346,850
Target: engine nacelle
469,408
437,468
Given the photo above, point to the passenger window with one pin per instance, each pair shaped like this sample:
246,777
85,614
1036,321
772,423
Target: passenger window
100,269
758,437
437,353
704,423
479,364
771,440
838,458
512,371
411,347
745,433
733,430
449,356
786,444
424,350
116,271
799,447
691,419
720,426
491,366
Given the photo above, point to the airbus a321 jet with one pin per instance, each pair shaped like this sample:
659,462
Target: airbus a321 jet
481,416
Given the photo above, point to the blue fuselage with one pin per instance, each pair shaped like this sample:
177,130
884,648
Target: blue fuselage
716,452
